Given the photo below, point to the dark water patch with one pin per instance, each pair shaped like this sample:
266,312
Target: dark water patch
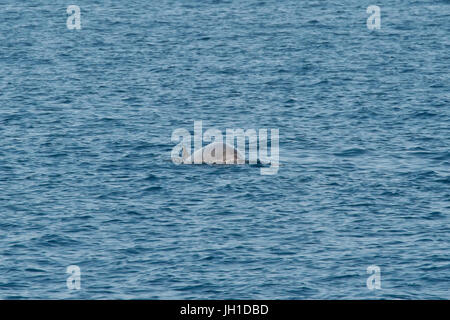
352,152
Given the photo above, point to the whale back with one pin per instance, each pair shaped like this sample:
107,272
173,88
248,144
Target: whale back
217,153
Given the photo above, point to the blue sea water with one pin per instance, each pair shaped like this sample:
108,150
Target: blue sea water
86,176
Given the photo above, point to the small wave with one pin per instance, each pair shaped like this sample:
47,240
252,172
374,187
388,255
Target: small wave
352,152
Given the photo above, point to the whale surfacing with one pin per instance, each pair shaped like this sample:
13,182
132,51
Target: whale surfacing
214,153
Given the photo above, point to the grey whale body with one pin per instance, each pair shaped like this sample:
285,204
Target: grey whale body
214,153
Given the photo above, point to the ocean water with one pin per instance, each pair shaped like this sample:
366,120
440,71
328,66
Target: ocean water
86,176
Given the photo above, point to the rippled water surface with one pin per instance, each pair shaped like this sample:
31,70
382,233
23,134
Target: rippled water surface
86,178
